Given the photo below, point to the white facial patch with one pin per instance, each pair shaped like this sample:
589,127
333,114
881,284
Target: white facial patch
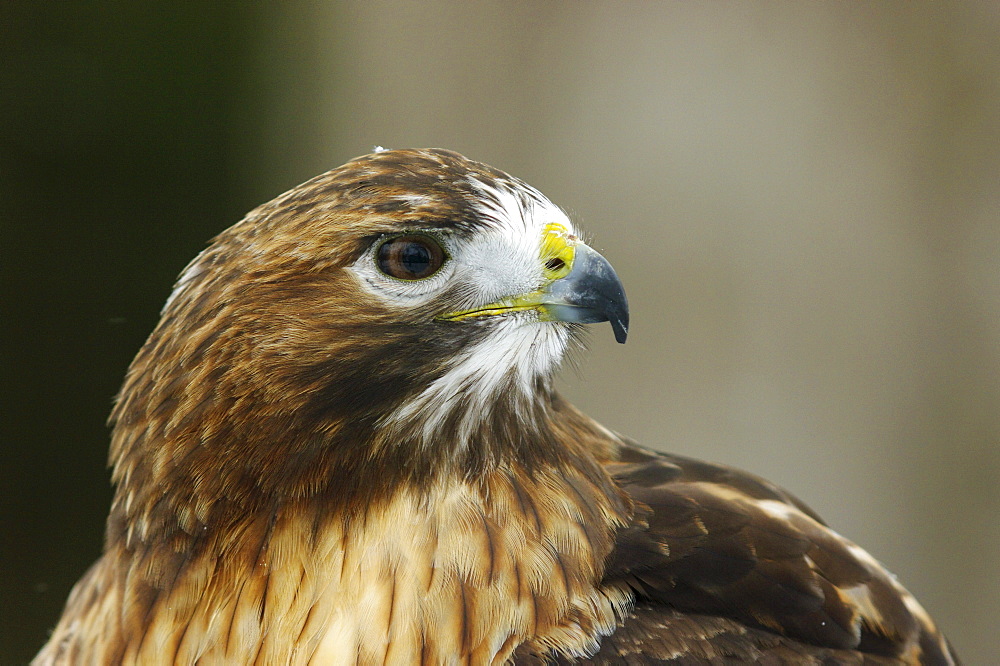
503,260
504,364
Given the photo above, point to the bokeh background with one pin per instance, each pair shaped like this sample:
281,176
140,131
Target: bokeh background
803,200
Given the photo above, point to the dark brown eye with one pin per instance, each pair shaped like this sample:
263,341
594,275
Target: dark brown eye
411,257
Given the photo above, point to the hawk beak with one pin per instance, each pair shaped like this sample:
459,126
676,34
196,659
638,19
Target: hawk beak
589,294
583,289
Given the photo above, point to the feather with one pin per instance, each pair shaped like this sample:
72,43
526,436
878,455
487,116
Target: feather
318,461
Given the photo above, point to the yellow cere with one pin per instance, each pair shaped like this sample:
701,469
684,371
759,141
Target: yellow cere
558,249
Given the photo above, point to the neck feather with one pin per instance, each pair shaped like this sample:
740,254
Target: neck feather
403,562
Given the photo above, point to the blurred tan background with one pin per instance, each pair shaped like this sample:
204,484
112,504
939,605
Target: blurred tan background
803,201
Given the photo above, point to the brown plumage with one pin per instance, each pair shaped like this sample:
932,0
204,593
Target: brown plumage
341,445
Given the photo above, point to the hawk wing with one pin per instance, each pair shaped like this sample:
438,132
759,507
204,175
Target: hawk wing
729,566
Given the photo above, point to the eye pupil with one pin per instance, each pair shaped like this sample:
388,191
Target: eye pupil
415,258
554,264
410,257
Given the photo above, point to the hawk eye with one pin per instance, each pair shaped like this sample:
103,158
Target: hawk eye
412,257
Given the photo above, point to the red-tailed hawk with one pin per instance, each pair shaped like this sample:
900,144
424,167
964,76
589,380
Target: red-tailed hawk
341,445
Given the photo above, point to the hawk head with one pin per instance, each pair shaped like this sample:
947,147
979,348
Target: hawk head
403,313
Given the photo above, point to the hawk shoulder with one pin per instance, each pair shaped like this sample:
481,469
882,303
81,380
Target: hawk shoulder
726,565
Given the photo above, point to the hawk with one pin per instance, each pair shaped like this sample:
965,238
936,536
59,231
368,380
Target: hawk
341,445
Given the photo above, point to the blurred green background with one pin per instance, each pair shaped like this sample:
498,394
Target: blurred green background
803,201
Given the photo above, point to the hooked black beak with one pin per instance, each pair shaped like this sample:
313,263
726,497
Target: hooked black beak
590,293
